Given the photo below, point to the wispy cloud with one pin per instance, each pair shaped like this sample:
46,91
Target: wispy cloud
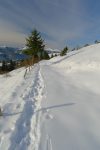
59,21
9,35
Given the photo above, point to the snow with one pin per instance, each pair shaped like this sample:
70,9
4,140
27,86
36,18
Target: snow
73,101
56,106
20,99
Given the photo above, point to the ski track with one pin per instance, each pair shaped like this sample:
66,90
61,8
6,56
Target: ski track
48,143
26,135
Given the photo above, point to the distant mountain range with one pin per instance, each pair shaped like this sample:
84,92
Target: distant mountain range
51,51
48,50
10,53
8,50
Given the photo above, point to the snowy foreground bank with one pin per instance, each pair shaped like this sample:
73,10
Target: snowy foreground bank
55,107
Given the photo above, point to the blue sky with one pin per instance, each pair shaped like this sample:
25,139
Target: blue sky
61,22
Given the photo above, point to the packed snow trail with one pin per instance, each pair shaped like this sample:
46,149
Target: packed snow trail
27,131
23,131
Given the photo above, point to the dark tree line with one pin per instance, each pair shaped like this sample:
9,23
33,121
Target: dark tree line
8,66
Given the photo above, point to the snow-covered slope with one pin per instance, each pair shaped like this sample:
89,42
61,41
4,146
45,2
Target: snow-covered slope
72,103
85,58
55,107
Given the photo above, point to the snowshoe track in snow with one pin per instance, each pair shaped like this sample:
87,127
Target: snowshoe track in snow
26,135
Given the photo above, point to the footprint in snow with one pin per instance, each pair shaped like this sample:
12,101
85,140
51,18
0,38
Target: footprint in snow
47,114
49,117
23,95
18,106
8,130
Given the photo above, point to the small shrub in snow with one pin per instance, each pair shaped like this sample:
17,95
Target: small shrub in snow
52,56
64,51
1,112
86,45
96,41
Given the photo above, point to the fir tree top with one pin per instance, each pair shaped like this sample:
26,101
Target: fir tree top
35,43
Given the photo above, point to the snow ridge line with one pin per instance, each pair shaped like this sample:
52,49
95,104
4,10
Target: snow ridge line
27,127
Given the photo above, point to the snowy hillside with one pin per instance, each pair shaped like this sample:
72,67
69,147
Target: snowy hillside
87,57
55,107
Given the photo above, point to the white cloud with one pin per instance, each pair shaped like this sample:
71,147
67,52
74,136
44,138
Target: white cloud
65,22
9,34
61,20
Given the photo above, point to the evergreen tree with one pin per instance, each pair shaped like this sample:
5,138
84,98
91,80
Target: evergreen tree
11,65
46,56
96,42
64,51
86,45
4,66
35,44
1,114
52,55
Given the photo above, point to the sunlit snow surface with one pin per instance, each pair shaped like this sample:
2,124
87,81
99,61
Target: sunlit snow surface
55,107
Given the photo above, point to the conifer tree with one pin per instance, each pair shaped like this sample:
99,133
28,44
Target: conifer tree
52,55
4,66
46,56
35,44
11,65
64,51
